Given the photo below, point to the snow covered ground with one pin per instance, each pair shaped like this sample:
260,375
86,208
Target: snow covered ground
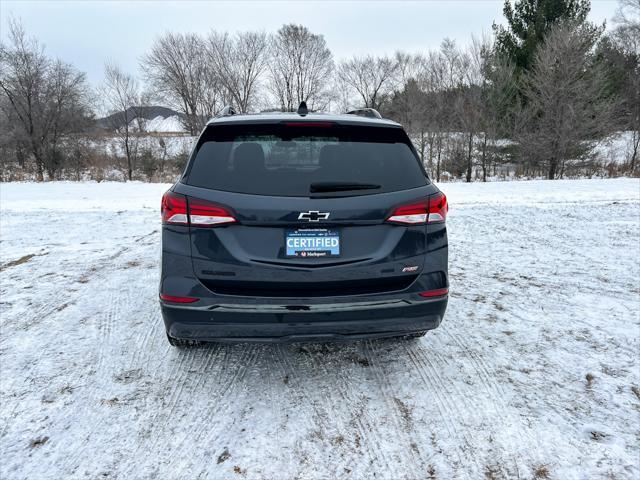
163,124
534,372
616,148
175,145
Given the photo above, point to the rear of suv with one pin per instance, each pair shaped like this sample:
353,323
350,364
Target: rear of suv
288,227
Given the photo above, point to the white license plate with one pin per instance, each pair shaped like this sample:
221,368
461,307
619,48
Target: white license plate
312,243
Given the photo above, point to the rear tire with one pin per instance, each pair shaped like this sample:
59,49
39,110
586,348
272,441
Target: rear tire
183,343
416,334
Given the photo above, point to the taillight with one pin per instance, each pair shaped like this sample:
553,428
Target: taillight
205,214
413,214
176,210
432,210
438,208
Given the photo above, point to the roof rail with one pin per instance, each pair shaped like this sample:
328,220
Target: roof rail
226,111
365,112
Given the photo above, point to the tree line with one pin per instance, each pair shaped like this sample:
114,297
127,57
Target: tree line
535,98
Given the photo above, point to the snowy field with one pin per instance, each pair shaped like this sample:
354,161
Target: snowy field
534,372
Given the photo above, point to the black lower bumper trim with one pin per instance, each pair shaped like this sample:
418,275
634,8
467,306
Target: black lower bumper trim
299,326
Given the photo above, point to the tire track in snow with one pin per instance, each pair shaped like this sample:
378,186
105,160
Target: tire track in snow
318,395
315,389
275,400
142,343
447,409
461,398
123,301
496,395
269,369
301,395
361,420
91,408
148,327
201,432
225,435
373,354
86,406
179,373
114,326
485,373
491,414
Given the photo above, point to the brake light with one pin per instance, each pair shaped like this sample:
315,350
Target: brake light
438,208
205,214
432,210
413,214
309,124
176,210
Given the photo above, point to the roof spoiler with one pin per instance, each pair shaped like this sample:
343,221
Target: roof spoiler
366,112
226,111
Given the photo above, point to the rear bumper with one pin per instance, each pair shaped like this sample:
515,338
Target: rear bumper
293,322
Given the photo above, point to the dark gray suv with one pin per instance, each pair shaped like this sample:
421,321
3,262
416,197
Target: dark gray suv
302,226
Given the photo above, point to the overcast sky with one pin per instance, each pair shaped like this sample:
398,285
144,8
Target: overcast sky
86,33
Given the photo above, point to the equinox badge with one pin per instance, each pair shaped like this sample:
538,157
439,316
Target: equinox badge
313,216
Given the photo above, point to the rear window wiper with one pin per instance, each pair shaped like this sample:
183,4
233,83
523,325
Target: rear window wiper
341,186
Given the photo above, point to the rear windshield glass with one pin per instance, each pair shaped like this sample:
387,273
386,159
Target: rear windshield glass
320,159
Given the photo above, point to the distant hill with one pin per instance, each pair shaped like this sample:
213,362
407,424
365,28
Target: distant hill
160,119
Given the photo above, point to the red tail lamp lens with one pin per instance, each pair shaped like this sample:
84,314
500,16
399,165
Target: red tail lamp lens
176,210
431,210
175,299
438,208
439,292
205,214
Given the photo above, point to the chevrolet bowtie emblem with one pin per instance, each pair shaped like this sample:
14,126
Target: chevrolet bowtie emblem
313,216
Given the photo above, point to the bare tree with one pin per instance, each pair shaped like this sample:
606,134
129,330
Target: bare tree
469,93
122,97
411,102
300,68
444,75
371,78
239,61
568,109
435,111
179,71
409,106
627,21
67,111
453,65
626,36
485,97
45,99
409,67
342,95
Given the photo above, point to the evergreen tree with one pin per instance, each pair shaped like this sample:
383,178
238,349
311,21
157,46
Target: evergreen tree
528,21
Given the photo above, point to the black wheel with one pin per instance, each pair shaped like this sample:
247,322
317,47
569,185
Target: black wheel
183,343
416,334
